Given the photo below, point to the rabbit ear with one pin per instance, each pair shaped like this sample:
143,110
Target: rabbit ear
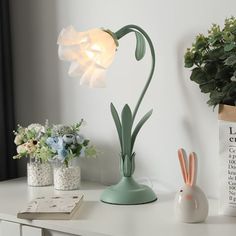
182,161
192,169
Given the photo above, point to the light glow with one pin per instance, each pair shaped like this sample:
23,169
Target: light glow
90,54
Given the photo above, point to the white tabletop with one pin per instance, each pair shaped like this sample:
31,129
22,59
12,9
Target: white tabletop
97,218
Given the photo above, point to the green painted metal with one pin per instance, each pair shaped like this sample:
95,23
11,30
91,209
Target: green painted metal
127,191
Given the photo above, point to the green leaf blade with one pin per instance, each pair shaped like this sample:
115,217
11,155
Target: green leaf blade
140,46
127,121
117,122
139,126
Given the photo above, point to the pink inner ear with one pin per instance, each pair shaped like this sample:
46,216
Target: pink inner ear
192,168
183,165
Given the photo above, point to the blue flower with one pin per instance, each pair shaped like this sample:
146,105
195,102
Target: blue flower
62,153
56,143
51,141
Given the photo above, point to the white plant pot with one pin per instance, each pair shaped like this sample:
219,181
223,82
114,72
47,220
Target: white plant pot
67,178
39,174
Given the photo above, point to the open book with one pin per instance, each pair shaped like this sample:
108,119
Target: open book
58,207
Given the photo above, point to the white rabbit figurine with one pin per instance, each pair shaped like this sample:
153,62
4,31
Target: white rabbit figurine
191,205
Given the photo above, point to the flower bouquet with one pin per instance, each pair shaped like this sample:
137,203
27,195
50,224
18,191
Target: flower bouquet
31,143
68,145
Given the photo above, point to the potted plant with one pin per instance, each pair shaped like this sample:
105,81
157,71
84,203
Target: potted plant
68,145
31,143
212,58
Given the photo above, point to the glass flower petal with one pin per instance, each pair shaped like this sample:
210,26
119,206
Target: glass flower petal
90,53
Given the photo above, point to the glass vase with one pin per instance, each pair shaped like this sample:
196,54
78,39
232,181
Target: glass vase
67,176
39,173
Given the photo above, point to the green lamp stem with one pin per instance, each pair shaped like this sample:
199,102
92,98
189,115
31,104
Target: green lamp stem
128,191
132,28
124,124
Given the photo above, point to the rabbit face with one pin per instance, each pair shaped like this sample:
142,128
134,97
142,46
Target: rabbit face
186,193
191,204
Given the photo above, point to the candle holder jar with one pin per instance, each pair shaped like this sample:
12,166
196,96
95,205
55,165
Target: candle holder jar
67,176
39,173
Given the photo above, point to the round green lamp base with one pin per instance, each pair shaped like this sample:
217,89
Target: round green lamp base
128,192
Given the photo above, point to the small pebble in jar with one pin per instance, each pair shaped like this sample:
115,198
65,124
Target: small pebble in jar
67,178
39,174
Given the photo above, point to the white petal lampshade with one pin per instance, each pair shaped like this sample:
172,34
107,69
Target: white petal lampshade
90,53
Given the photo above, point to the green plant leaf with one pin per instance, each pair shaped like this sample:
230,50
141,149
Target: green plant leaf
230,61
139,126
211,68
224,74
230,46
215,54
127,121
216,97
117,123
198,76
207,87
201,42
188,58
140,46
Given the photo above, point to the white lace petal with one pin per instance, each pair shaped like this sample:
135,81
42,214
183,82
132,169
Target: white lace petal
90,53
76,70
69,36
85,78
98,79
68,53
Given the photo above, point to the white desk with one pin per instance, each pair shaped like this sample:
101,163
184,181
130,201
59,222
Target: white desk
96,218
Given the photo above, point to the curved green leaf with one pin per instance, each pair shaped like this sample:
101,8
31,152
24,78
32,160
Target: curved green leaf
117,122
139,126
126,117
140,46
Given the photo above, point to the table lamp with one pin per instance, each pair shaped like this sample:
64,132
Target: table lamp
90,54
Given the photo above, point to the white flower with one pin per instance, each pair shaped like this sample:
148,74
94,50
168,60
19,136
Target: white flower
18,139
68,138
27,148
37,127
90,54
21,149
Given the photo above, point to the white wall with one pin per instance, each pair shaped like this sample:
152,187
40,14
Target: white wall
181,117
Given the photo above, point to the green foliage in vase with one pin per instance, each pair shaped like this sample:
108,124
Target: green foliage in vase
213,62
